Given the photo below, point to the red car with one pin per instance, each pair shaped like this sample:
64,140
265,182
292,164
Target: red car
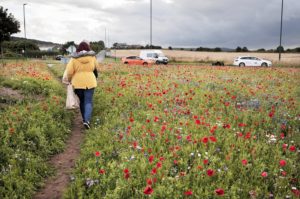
134,60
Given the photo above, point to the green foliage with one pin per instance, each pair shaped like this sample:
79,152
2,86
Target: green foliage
217,49
18,46
97,46
9,25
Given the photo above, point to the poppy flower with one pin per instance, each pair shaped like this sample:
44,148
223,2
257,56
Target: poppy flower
151,158
188,193
131,119
102,171
282,163
212,138
244,162
154,171
205,161
205,140
264,174
210,172
148,190
292,148
97,153
158,165
219,192
149,182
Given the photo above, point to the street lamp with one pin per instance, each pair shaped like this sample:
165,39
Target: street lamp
24,28
150,24
280,47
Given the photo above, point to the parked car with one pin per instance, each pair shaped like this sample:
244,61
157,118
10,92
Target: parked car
135,60
59,57
156,56
251,61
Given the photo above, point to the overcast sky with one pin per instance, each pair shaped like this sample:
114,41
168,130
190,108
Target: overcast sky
177,23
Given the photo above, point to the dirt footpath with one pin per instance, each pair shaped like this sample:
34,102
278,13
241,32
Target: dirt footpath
63,163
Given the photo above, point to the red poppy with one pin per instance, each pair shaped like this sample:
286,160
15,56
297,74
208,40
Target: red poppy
148,190
210,172
282,163
292,148
158,165
242,125
205,161
283,173
226,103
197,122
213,138
264,174
188,192
102,171
244,162
219,192
97,153
154,171
151,158
131,119
149,182
284,146
205,140
127,175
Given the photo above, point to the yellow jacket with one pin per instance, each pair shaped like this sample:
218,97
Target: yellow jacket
80,72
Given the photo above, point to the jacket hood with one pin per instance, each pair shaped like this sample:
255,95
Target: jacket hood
83,54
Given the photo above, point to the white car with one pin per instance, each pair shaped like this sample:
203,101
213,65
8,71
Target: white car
251,61
156,56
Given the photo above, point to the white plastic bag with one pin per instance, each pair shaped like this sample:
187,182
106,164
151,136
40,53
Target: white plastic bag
65,78
72,101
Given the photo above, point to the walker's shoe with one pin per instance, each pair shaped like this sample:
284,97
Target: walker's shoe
86,125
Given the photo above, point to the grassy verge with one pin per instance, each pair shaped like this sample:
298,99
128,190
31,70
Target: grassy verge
32,128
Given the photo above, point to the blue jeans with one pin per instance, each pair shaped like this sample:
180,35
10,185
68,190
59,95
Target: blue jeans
86,102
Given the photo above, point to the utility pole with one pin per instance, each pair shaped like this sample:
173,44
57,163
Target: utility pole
280,47
105,39
24,29
150,24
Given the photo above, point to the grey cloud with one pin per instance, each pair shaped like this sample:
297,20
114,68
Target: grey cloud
230,23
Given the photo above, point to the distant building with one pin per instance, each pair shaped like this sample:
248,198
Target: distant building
48,47
126,46
71,49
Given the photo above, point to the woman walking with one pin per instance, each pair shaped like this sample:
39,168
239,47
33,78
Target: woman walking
82,73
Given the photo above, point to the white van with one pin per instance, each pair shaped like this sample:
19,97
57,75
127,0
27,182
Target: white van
154,55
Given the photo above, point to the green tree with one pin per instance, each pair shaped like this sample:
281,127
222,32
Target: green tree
245,49
18,46
238,49
280,49
9,25
261,50
97,46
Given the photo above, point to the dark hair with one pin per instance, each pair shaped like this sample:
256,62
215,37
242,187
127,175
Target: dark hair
83,46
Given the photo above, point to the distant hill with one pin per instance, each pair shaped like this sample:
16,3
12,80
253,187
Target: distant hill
38,42
43,45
